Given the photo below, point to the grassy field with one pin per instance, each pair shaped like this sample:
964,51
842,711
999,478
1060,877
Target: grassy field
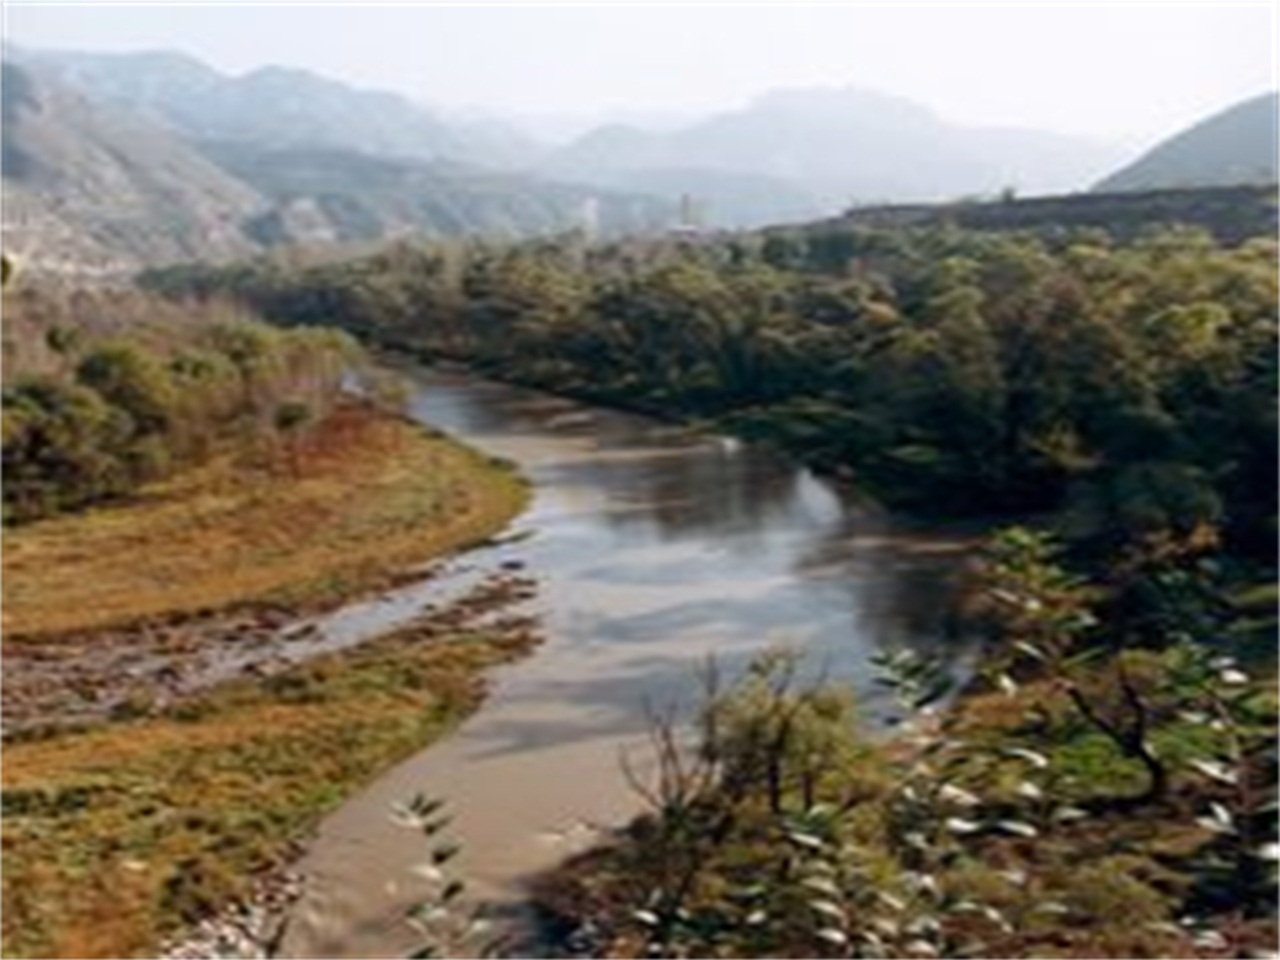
365,496
117,835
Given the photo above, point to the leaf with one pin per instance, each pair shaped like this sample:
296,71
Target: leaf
827,908
916,839
1210,940
1069,813
1031,650
1005,597
647,917
832,935
1018,828
1016,877
431,828
445,852
1051,906
885,926
1217,826
923,924
922,882
821,885
478,926
1216,771
921,948
1037,760
957,795
961,826
428,872
1030,790
890,901
998,918
805,840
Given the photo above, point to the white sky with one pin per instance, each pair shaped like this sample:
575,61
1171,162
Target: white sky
1131,70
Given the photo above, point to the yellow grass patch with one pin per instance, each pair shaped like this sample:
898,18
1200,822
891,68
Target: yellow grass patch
116,836
365,495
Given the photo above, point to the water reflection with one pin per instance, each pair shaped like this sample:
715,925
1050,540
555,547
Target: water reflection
652,543
653,550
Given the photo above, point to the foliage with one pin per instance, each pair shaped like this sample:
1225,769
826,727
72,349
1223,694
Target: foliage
105,392
954,370
375,495
981,830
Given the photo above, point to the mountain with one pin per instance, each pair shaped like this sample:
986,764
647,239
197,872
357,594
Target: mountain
100,191
92,188
833,148
326,196
1235,146
278,107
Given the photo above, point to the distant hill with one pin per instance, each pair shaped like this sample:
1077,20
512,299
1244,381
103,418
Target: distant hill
97,191
1235,146
278,107
824,149
325,196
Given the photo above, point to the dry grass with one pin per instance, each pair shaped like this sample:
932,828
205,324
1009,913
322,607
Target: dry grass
365,495
116,836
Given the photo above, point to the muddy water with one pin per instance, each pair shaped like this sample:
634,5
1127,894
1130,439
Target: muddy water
653,549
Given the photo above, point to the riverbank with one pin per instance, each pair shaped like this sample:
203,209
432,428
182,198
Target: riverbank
342,512
179,788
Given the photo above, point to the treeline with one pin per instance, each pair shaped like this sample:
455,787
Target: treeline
1131,385
106,390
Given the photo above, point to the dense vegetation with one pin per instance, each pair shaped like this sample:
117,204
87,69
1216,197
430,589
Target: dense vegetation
1232,214
105,391
1130,385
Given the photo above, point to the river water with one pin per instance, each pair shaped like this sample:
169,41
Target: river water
653,550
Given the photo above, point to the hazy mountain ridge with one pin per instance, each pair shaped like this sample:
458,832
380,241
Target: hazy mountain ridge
159,157
840,146
94,188
104,191
273,106
1234,146
342,196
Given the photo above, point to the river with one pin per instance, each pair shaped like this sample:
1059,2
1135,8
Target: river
653,549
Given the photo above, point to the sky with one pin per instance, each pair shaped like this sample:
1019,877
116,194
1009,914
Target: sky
1116,70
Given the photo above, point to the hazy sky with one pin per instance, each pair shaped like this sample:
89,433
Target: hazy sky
1133,70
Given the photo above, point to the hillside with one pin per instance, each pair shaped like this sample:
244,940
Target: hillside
105,191
96,189
1235,146
830,147
343,196
275,107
